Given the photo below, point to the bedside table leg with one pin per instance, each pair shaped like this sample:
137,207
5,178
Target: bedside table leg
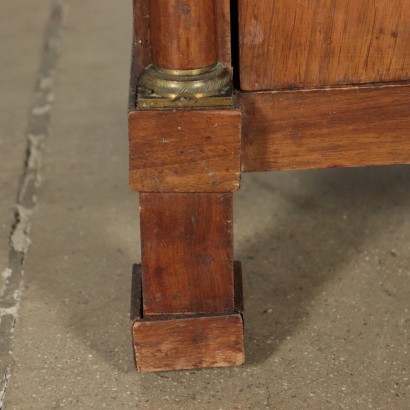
185,146
187,314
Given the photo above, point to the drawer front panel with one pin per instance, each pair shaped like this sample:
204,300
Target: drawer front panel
286,44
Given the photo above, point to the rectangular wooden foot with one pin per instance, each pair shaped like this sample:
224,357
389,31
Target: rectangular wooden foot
186,341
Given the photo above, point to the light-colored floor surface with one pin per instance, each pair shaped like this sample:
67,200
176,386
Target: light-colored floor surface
326,254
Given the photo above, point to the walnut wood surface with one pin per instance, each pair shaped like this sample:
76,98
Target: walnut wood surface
187,253
142,37
142,33
320,129
181,342
187,343
136,312
315,43
185,151
183,33
223,17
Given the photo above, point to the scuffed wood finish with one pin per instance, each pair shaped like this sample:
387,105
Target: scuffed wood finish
183,33
321,129
136,312
185,151
142,38
223,17
315,43
181,342
189,343
142,33
187,253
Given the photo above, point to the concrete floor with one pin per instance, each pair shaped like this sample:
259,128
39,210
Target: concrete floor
326,254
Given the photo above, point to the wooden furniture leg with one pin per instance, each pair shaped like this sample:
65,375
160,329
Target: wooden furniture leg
190,317
184,131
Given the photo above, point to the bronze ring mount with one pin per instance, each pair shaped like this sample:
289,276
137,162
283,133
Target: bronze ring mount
206,86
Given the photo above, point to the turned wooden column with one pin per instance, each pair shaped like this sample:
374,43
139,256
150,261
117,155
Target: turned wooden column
184,34
185,70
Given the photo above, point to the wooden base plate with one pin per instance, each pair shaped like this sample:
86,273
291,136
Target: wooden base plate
186,342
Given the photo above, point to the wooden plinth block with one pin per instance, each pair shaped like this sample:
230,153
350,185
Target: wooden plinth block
185,151
186,342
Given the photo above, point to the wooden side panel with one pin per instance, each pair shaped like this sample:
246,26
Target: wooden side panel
185,151
321,129
187,343
316,43
187,253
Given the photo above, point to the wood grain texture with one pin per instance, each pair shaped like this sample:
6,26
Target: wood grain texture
223,20
189,343
142,33
185,151
180,342
187,253
142,37
316,43
320,129
136,310
183,33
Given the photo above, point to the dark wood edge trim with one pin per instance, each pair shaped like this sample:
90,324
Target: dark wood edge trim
238,286
136,293
338,87
133,84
